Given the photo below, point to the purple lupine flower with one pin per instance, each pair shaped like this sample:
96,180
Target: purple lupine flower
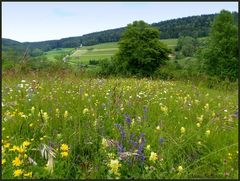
161,140
134,143
128,119
121,148
140,148
123,134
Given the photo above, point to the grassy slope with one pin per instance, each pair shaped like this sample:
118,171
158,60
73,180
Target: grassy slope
105,50
56,52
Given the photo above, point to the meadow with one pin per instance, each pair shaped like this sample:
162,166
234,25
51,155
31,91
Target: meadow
95,52
61,125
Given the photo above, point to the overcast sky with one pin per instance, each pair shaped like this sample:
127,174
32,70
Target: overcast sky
39,21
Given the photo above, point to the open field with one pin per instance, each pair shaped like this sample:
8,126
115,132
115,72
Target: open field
53,54
104,50
65,126
95,52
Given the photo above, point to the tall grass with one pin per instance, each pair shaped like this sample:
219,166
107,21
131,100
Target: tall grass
192,129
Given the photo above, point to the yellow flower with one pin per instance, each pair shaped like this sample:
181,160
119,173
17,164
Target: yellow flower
64,154
199,142
198,124
158,128
33,109
148,147
111,155
57,112
85,110
14,148
29,174
17,173
200,119
65,114
86,95
20,150
3,161
26,143
206,106
164,109
45,116
183,130
213,114
208,132
180,168
104,143
7,145
20,113
114,166
31,125
64,147
41,138
153,156
16,162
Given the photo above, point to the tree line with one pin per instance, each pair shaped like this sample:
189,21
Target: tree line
194,26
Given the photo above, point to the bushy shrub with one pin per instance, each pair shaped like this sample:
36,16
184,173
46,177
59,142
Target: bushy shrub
93,62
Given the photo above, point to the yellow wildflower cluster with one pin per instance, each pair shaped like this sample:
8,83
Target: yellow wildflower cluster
20,172
104,143
153,157
64,150
114,166
17,162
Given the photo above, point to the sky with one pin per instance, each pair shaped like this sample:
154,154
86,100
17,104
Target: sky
39,21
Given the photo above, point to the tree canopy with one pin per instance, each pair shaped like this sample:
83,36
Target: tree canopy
221,53
140,50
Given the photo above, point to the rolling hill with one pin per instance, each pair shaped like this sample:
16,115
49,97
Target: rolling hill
196,26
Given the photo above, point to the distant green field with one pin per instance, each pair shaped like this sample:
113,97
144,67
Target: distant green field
102,46
96,52
51,55
104,50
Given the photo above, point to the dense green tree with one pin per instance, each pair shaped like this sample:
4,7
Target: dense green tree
140,50
187,46
220,56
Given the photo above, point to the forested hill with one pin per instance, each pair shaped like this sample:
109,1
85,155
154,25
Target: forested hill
196,26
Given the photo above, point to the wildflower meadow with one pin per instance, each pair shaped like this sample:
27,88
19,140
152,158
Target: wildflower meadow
116,128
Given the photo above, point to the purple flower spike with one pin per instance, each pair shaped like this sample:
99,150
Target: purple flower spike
161,140
128,119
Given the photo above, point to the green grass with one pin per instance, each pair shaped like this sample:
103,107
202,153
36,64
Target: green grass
102,46
171,43
51,55
104,50
95,52
83,112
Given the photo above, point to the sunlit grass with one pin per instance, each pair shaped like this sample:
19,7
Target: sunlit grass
72,127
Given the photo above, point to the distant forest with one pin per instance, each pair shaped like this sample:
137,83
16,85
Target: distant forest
194,26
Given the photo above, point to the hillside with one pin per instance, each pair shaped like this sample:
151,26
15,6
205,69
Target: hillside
196,26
